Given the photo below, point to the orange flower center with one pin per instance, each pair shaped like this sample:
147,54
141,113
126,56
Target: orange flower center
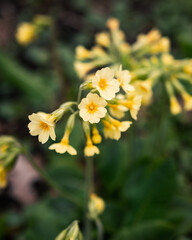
44,126
103,83
92,107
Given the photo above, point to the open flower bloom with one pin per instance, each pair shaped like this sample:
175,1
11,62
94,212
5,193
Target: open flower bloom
117,110
174,105
133,105
92,108
105,83
90,150
121,126
3,177
110,131
42,125
144,89
64,146
124,78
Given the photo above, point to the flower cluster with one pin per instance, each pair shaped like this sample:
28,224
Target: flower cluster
27,32
110,95
148,60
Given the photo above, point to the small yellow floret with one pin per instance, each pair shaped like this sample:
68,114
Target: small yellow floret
113,23
90,150
103,39
187,101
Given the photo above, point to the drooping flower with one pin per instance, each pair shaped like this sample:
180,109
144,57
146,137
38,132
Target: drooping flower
90,149
42,125
187,101
92,108
117,110
105,83
110,131
124,78
64,146
96,137
96,206
82,53
133,104
174,105
103,39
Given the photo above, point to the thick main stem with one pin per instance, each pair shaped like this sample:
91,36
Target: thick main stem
50,181
89,190
99,228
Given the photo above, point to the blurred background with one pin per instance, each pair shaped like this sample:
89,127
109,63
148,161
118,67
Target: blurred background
145,178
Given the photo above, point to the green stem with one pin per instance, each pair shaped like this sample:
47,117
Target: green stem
99,228
89,190
42,173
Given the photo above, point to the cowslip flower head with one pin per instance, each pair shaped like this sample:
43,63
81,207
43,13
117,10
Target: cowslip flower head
92,108
124,78
42,125
90,149
64,146
26,33
105,83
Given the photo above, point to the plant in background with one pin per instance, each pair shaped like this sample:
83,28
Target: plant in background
148,59
9,151
27,32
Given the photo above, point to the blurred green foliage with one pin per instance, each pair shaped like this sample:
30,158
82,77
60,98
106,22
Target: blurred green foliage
145,178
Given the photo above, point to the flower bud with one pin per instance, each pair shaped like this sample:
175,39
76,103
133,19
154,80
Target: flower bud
96,206
72,232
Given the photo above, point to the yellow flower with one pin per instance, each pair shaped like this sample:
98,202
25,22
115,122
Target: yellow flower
97,51
174,105
103,39
110,131
167,59
163,45
3,177
92,108
117,110
90,150
144,89
153,35
188,68
133,105
42,125
96,206
26,33
113,23
64,146
124,48
96,137
187,101
105,83
124,78
121,126
82,53
82,68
